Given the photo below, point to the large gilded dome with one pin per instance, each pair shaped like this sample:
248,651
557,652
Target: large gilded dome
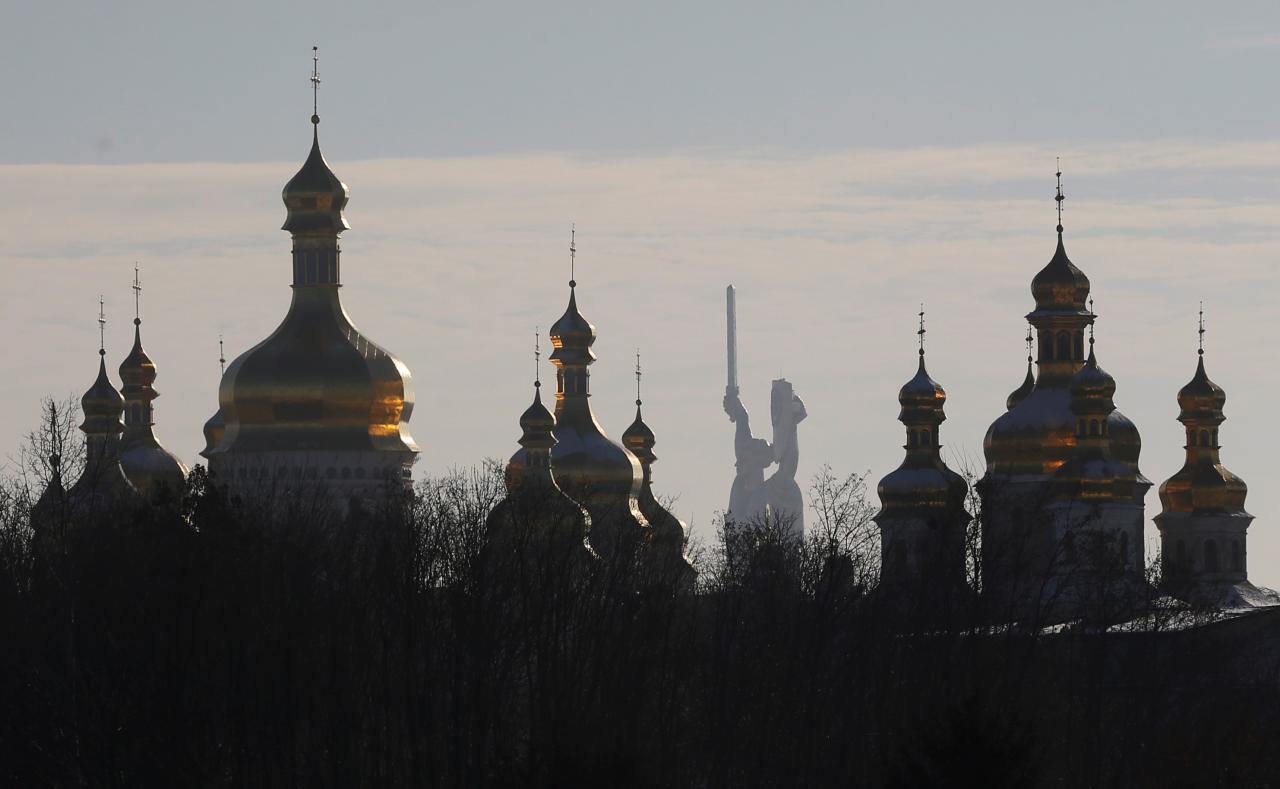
1037,434
316,384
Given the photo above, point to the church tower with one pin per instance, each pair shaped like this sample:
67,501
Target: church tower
666,551
1097,507
102,485
317,405
147,464
922,517
1203,522
537,520
595,471
1037,434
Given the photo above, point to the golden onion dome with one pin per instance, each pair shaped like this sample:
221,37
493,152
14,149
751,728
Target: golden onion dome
1060,286
151,467
1020,394
922,484
917,488
137,369
1204,488
316,384
1201,398
1126,443
1203,485
1093,473
537,422
214,429
1092,388
536,425
102,404
640,439
315,196
1036,437
594,470
573,335
921,397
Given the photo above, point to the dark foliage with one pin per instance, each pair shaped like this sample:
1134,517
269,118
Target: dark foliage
207,643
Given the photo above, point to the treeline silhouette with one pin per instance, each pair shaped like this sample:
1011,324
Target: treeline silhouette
208,642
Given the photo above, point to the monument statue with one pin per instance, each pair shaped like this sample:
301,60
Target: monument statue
753,497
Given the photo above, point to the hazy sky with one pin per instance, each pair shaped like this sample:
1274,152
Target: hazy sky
837,164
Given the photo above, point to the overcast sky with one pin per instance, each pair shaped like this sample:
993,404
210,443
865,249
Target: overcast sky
837,164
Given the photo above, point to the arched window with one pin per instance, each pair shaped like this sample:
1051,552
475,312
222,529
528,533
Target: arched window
1093,427
925,440
1079,345
346,472
1211,556
1237,557
1204,438
1064,345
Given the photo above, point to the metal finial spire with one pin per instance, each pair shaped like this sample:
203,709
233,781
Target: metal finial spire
1092,316
315,85
222,356
1029,344
537,359
1201,329
1059,197
573,254
637,377
102,327
137,296
920,331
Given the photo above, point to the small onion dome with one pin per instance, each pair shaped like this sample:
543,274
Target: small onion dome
213,432
315,196
573,335
1020,394
1204,488
1201,399
1093,473
640,439
537,424
102,405
1126,444
1060,286
137,369
921,398
1092,389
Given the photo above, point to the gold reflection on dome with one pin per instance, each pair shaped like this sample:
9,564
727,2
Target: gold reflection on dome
316,384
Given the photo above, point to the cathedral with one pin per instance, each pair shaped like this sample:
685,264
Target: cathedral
319,408
1062,499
